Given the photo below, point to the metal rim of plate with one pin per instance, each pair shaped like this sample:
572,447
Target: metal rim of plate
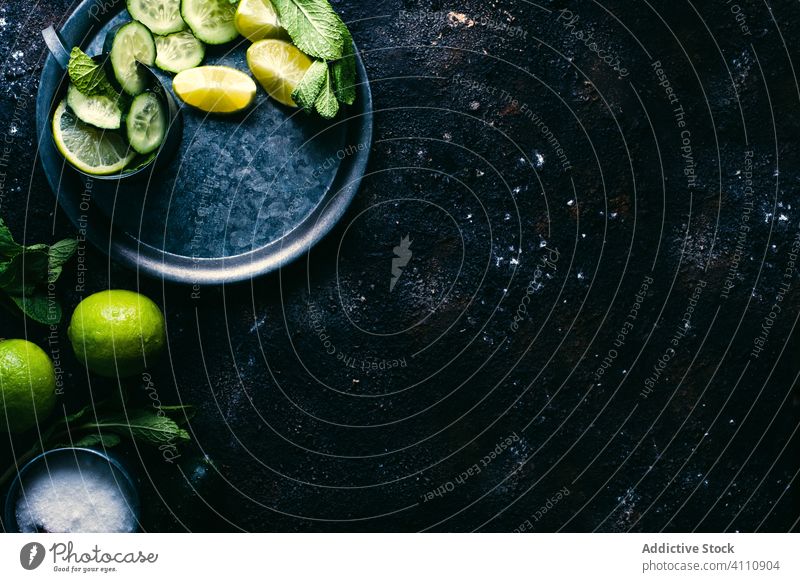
142,257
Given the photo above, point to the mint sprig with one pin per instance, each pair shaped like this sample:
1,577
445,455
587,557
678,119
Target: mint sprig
142,425
318,31
26,272
105,426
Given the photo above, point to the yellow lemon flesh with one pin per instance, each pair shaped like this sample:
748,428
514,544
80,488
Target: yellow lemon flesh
257,19
215,89
279,66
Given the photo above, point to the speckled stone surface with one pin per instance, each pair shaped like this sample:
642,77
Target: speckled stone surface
593,321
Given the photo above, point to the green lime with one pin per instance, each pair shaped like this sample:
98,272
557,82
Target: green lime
117,333
27,385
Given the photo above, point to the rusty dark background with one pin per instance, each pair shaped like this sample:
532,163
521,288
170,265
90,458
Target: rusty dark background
307,440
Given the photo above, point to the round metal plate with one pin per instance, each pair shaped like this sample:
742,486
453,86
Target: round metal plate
242,195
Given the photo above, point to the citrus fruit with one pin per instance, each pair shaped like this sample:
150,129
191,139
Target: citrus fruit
117,333
215,89
27,385
257,19
90,149
279,66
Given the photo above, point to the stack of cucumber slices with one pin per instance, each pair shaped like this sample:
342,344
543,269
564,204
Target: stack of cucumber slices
105,128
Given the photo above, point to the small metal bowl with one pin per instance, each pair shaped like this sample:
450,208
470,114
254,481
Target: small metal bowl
79,458
172,139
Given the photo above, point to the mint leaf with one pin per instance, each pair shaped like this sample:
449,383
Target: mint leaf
313,26
143,425
8,247
23,272
58,254
88,76
326,104
24,276
61,252
344,74
39,308
310,86
188,412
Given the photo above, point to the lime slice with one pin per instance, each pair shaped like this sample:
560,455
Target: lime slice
88,148
279,66
215,89
257,19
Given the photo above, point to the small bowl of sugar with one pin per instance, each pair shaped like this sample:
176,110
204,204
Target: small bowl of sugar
73,490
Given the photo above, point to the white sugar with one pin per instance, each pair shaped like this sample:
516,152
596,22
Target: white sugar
67,498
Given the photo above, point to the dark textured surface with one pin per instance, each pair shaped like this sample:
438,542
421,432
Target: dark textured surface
330,403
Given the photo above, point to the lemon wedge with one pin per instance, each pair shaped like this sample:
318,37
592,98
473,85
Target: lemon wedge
279,66
215,89
257,19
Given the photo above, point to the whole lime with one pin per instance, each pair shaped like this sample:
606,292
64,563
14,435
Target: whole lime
117,333
27,385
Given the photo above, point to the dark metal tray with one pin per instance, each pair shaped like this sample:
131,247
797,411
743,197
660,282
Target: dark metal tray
242,196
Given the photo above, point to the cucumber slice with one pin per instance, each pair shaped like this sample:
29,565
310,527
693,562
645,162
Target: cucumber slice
160,16
146,123
99,111
132,43
179,51
210,20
